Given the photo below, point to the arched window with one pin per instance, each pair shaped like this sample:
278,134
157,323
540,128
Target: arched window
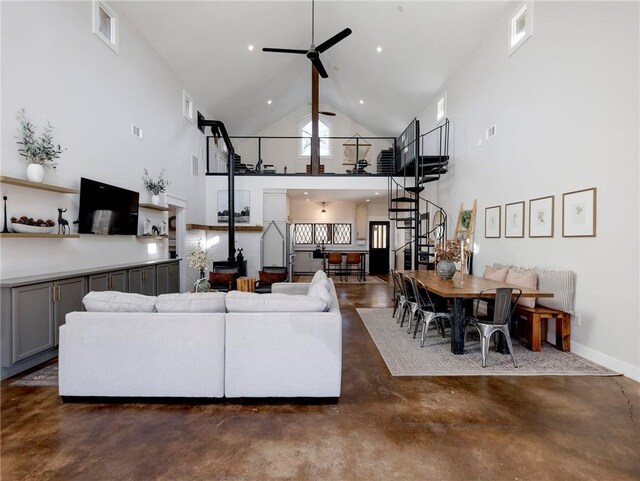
324,132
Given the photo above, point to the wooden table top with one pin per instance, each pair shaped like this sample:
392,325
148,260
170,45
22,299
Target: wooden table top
465,286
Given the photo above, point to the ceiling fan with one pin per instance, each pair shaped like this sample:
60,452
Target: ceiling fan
314,52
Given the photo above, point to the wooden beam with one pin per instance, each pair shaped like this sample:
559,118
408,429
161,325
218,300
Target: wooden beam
315,140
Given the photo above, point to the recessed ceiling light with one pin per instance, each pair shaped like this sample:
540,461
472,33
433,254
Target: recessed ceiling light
368,200
306,193
376,193
361,101
306,200
250,47
269,102
379,49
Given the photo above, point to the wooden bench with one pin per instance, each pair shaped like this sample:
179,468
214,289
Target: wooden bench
534,331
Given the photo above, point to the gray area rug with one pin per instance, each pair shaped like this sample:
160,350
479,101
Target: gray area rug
347,280
47,376
404,356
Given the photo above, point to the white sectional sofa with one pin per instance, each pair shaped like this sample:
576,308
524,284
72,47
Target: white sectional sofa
255,345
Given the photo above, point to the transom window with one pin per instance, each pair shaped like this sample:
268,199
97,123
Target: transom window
324,132
520,27
310,233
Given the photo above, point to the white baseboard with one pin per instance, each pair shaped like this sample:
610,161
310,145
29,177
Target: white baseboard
629,370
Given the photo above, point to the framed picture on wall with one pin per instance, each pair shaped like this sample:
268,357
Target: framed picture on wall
492,221
514,219
242,208
541,217
579,213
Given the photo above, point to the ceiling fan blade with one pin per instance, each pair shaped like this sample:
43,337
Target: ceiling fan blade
319,67
333,40
330,114
283,50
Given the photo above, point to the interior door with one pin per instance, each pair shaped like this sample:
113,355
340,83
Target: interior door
379,247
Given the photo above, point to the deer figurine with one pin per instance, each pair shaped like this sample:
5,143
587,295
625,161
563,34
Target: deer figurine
63,224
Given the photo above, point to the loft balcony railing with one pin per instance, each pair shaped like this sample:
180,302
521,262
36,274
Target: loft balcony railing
268,155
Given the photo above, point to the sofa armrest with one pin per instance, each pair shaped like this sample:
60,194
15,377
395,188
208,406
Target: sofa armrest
294,288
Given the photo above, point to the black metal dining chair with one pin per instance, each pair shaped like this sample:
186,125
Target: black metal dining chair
398,295
503,308
428,311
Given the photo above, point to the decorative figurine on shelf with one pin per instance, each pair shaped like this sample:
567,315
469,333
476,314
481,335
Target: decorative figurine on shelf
147,227
163,228
155,230
239,257
6,227
63,224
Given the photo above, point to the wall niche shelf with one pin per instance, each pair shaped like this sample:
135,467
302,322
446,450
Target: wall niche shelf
224,228
37,185
154,207
40,236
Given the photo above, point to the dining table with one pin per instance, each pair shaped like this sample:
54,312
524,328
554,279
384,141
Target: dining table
462,288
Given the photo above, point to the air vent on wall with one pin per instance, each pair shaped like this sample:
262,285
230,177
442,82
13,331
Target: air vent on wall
194,165
491,132
136,131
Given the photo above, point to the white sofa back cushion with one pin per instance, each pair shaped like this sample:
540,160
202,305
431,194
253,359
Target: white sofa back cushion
191,302
113,301
320,290
237,301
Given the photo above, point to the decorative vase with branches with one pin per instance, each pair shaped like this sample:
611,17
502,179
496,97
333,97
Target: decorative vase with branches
156,186
40,152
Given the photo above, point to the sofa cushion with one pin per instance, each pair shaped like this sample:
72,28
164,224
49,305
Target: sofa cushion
268,278
499,275
114,301
526,279
191,302
319,275
237,301
320,290
561,283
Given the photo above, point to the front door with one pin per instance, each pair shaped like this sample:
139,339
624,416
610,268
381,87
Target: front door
379,247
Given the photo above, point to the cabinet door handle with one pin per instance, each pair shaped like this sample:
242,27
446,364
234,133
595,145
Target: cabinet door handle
59,293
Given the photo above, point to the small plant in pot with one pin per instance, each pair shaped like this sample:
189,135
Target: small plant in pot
40,152
156,186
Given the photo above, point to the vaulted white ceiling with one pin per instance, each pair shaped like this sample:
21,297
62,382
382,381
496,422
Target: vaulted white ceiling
205,43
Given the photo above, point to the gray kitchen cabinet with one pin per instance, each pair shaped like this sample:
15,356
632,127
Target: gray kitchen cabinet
168,278
109,281
32,320
36,313
142,280
68,294
34,307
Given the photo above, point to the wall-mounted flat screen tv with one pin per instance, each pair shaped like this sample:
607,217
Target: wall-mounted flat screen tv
107,209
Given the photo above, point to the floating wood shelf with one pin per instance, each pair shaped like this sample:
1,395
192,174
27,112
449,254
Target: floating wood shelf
41,236
152,237
37,185
161,208
224,228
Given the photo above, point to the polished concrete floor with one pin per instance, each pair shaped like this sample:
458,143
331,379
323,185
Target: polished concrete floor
383,428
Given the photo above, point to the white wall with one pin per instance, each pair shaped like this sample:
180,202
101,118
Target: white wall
55,67
566,109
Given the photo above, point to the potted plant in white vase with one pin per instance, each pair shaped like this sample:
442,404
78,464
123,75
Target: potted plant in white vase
155,186
40,152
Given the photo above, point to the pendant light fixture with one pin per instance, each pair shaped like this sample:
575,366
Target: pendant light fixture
323,212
